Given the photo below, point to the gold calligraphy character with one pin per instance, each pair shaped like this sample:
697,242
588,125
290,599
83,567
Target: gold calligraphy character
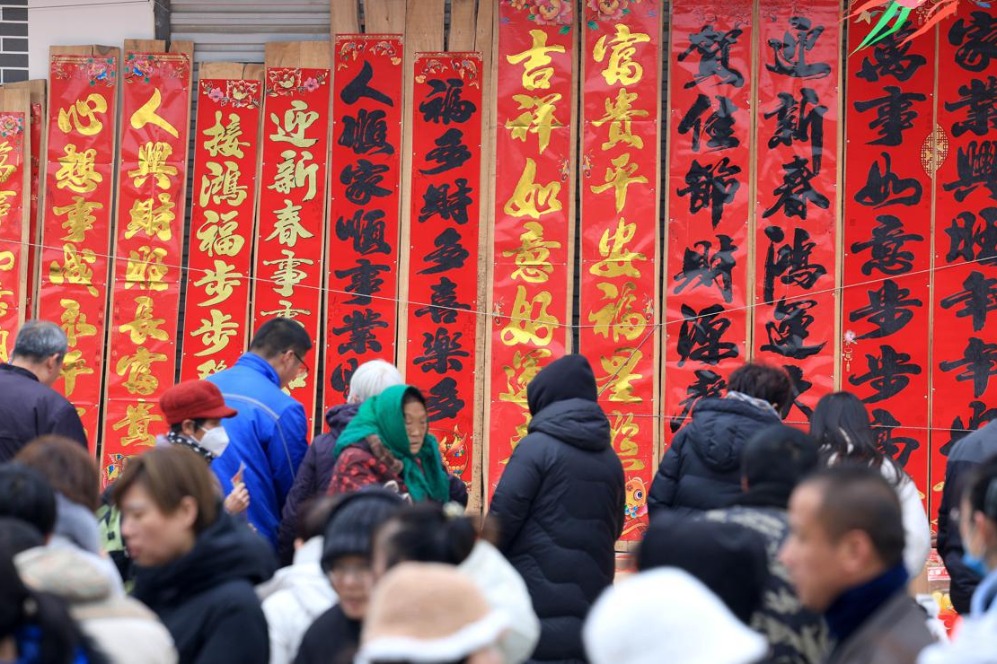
521,430
74,269
147,115
76,171
145,269
219,283
144,326
620,115
536,60
531,199
529,321
538,118
4,352
7,260
287,310
533,255
138,369
222,184
297,120
5,297
152,221
82,115
621,69
74,322
79,218
6,170
217,235
74,365
524,368
287,227
5,203
617,261
621,373
136,422
288,273
223,139
619,178
212,366
623,431
215,332
293,174
617,319
153,163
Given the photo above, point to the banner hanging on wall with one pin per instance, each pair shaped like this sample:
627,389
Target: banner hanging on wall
15,204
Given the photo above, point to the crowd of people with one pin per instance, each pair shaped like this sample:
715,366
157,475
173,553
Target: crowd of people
235,540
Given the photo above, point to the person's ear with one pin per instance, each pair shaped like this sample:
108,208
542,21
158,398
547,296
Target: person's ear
187,511
188,427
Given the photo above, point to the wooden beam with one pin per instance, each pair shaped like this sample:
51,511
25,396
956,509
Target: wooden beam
390,17
344,18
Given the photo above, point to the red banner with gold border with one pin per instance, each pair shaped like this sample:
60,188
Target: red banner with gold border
442,281
619,218
79,186
226,150
887,238
15,192
292,193
365,205
534,226
37,126
964,347
708,202
797,193
149,229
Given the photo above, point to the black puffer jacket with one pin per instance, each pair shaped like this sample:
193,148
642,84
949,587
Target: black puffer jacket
29,409
702,468
206,598
560,505
313,477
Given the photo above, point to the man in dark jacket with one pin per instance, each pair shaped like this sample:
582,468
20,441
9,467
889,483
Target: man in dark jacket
29,407
702,468
369,379
964,456
560,505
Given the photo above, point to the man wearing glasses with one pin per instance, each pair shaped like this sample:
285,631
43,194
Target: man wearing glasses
268,438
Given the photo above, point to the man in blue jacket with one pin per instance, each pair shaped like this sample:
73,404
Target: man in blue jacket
268,438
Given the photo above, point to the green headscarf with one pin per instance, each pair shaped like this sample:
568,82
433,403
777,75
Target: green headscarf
382,415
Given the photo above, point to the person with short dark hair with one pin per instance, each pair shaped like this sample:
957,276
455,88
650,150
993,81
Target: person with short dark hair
29,407
845,557
269,436
25,495
702,468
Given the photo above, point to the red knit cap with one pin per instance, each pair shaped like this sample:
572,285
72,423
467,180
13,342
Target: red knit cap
194,400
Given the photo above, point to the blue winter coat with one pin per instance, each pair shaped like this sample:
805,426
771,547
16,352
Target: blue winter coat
269,435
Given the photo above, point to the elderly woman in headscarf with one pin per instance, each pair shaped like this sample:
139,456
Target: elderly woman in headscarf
388,444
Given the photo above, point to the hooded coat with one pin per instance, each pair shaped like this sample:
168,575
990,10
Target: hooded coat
702,468
206,597
560,505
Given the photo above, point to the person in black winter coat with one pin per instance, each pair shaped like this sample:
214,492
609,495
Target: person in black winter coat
560,505
702,468
196,565
315,471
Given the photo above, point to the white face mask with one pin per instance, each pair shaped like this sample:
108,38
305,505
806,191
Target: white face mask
215,440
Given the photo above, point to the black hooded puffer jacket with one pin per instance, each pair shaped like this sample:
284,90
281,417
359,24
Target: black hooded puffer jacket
560,505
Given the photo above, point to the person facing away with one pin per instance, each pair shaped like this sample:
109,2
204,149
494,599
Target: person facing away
840,425
268,437
844,554
775,459
196,565
975,641
560,504
702,468
370,379
29,407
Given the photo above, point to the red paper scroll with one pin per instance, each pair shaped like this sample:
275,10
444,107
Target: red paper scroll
15,190
887,240
34,228
443,279
155,117
363,218
79,185
706,278
965,339
619,198
796,233
221,235
292,191
533,223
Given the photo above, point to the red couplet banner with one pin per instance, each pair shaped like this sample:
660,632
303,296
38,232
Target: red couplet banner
226,149
145,304
887,237
619,217
708,202
37,125
533,230
292,193
362,273
964,348
79,185
15,190
797,167
443,279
